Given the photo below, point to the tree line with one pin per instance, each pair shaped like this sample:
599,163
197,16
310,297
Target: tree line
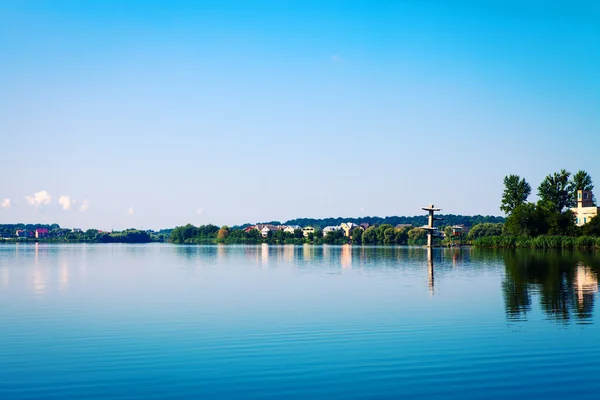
549,222
384,234
417,220
56,234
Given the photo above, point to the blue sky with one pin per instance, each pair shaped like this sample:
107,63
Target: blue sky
155,114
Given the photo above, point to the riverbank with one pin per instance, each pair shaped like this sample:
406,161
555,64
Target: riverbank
539,242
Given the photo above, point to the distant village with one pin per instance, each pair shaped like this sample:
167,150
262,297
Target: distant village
345,227
39,233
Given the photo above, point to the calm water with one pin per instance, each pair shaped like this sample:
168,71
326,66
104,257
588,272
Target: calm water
175,322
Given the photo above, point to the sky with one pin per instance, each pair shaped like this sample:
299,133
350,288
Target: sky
153,114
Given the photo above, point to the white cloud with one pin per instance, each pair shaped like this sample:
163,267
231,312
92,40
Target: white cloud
362,209
65,202
6,203
39,198
130,211
85,205
199,211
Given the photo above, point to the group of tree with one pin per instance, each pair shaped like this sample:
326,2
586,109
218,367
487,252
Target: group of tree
384,234
194,234
551,215
56,234
418,220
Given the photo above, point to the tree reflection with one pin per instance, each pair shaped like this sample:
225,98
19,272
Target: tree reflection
565,282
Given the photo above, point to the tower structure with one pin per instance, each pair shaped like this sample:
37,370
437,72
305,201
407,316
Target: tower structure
429,227
586,208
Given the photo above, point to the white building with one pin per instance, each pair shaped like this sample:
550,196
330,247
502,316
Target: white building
307,230
291,228
269,228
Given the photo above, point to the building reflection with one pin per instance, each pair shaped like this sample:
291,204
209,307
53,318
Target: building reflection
586,286
264,255
288,253
308,252
565,284
39,281
346,256
221,252
326,249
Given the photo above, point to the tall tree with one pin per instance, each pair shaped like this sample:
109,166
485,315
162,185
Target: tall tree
357,235
556,191
581,181
516,192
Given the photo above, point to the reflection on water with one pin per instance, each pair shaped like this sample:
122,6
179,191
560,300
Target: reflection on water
264,252
346,257
563,285
586,283
164,321
63,281
565,282
430,270
5,276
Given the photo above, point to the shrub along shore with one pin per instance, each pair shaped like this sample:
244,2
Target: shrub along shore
539,242
551,223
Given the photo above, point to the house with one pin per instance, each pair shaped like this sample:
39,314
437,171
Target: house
307,230
459,230
76,230
347,227
291,228
41,233
328,229
365,225
586,209
23,233
249,228
269,228
403,226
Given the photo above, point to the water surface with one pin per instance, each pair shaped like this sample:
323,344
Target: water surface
176,322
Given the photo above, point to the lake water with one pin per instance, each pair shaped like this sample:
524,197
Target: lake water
176,322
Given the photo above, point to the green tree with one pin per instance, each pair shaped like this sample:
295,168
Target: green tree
516,192
369,236
402,235
448,232
381,232
556,191
561,223
485,229
317,236
389,236
334,237
525,220
417,236
592,228
357,235
581,181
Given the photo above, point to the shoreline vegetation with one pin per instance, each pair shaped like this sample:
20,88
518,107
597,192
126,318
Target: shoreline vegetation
366,230
538,242
564,217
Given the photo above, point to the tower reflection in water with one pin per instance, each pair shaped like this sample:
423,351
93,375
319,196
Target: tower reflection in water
430,269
